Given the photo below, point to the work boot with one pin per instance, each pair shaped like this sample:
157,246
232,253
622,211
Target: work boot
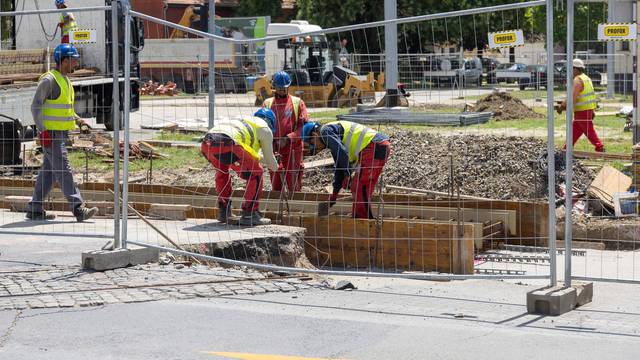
37,215
225,214
83,213
253,218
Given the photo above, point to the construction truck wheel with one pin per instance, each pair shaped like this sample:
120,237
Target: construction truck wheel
106,118
341,99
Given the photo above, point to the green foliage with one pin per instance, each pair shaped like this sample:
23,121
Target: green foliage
271,8
468,31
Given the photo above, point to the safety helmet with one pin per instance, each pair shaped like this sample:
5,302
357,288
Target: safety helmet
59,2
308,129
65,51
577,63
268,116
281,80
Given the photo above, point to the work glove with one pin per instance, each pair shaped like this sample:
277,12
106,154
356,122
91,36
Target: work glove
45,138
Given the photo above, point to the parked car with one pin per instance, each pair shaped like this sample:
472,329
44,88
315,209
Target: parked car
538,77
511,73
488,66
591,71
450,70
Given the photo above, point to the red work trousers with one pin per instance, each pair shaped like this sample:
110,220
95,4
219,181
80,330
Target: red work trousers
363,184
291,166
583,124
225,156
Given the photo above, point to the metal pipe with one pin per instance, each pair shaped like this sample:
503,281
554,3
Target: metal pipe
551,166
391,51
127,109
212,64
568,221
115,113
611,46
54,11
335,272
405,20
636,100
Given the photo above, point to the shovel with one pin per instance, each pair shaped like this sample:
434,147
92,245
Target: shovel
323,207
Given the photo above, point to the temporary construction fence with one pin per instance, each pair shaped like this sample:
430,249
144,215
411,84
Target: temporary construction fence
37,35
454,224
448,236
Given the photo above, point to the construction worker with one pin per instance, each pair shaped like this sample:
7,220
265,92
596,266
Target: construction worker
53,113
291,115
359,153
584,105
235,144
67,22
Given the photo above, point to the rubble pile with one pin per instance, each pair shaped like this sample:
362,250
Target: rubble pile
484,166
505,107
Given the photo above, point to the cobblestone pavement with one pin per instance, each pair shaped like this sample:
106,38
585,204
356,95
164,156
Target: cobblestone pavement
63,287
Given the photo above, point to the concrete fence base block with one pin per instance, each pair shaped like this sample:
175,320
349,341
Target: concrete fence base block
557,300
101,260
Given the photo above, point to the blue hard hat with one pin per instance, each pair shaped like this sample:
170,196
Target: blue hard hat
268,116
65,51
281,80
307,129
59,2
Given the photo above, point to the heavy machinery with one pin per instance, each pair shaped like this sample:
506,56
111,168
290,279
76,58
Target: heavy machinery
21,68
313,78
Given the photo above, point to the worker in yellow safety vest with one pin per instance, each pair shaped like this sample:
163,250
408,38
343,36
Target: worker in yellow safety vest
291,115
67,22
236,144
54,116
359,154
584,105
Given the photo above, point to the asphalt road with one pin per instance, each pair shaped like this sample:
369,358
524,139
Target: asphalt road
390,319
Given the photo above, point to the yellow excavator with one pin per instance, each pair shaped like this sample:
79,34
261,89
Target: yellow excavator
188,18
314,80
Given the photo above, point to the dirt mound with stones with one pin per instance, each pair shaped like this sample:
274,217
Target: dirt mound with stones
486,166
505,107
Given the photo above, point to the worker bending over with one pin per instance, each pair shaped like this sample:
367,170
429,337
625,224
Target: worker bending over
236,144
584,105
291,115
67,22
359,153
53,113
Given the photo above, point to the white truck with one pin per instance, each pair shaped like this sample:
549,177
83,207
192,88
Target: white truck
93,93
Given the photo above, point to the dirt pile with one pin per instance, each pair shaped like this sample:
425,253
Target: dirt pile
505,107
485,166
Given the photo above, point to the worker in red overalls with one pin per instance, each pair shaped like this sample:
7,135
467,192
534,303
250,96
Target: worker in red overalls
291,115
584,106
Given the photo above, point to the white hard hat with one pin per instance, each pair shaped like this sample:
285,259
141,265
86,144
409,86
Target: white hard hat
577,63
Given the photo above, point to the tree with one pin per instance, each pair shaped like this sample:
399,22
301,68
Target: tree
468,31
271,8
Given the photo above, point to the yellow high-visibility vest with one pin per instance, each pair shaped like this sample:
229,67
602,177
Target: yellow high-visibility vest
296,107
356,137
586,100
58,114
68,26
244,132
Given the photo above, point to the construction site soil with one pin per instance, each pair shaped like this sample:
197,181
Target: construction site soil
505,107
487,166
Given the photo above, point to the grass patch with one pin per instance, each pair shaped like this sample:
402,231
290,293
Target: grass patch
175,159
176,136
327,115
